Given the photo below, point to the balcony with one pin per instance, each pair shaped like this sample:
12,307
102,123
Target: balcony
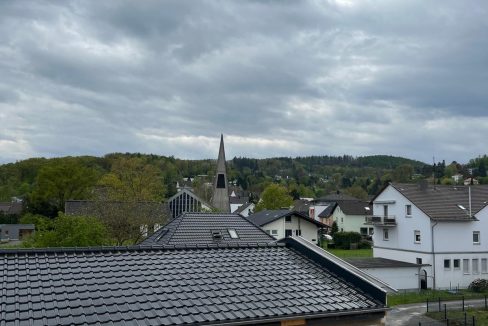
389,220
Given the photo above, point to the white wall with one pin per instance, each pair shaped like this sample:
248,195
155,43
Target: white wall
349,223
309,230
404,278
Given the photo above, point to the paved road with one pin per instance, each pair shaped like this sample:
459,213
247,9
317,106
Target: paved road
412,314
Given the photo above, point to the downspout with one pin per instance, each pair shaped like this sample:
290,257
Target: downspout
433,255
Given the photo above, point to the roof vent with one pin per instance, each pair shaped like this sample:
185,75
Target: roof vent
216,235
461,207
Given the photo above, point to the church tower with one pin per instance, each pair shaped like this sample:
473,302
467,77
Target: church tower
220,199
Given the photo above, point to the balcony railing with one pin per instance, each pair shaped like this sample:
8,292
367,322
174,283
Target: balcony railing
381,220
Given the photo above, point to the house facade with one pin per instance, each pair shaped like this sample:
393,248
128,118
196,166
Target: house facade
284,223
444,227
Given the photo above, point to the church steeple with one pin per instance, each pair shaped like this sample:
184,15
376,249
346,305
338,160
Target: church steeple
220,198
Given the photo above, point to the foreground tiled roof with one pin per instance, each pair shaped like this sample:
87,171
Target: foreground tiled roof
268,216
441,202
163,286
198,228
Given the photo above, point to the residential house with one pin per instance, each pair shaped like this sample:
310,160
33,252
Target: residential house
11,208
445,227
284,223
349,215
291,282
246,209
15,232
208,228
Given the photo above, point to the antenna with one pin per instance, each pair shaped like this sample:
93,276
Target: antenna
469,197
433,162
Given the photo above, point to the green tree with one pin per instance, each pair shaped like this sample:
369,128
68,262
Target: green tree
334,229
274,197
358,192
60,180
70,231
403,173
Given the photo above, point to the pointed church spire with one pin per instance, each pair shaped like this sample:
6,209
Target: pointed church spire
220,198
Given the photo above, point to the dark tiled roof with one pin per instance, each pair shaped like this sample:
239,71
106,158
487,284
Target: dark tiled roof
301,205
335,197
162,286
196,228
355,207
242,208
13,208
268,216
328,210
441,202
93,208
379,263
238,200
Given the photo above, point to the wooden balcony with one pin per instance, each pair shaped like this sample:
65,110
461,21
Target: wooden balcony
389,220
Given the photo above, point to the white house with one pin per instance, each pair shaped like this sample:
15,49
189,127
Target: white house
349,215
445,227
284,223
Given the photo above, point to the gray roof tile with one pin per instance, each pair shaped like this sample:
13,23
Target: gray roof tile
165,286
196,228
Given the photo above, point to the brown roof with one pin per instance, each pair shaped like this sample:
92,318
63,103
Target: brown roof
444,202
14,208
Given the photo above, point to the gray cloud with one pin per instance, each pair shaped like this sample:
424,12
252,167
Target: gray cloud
277,78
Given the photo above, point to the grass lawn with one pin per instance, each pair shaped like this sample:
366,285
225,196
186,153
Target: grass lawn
342,253
432,295
457,317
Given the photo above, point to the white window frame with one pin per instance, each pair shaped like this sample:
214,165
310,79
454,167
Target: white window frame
408,208
484,265
386,235
478,235
475,265
415,233
466,266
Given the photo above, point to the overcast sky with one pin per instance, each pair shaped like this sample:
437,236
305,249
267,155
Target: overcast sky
277,78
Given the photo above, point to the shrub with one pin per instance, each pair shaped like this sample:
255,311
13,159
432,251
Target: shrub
343,240
479,285
364,245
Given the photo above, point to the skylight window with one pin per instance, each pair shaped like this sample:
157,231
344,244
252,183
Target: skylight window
216,235
233,234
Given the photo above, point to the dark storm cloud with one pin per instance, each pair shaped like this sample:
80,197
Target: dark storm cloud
276,77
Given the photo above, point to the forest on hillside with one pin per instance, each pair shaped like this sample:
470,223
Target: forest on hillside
45,184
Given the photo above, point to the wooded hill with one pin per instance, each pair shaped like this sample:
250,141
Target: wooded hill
44,184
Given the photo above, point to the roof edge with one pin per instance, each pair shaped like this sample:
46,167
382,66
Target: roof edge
363,280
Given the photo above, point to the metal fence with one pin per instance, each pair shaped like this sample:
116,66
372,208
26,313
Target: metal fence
452,312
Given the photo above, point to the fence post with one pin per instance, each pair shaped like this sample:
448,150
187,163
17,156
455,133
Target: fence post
474,321
463,302
486,306
439,304
465,318
445,311
427,304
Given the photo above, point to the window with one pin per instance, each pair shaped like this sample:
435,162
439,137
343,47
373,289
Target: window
419,261
288,233
408,210
466,266
385,234
363,231
311,212
417,236
476,237
342,220
484,265
456,263
447,263
233,234
268,231
298,232
220,181
274,232
371,231
385,210
476,267
288,219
